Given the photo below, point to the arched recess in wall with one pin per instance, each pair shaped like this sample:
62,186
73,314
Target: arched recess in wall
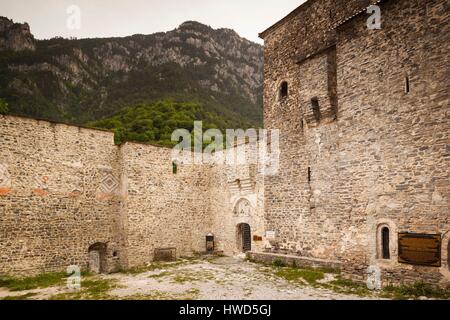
283,90
386,241
98,258
242,208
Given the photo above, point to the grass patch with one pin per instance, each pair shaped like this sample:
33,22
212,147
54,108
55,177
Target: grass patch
191,277
185,278
21,297
36,282
279,263
417,290
91,289
311,276
160,275
345,286
248,292
192,294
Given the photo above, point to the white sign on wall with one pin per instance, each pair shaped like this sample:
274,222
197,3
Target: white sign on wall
270,234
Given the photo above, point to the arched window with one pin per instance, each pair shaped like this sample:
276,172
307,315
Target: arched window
385,243
284,89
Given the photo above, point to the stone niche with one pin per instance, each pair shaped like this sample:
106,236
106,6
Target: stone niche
318,91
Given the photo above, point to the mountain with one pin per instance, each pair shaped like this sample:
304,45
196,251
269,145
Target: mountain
85,80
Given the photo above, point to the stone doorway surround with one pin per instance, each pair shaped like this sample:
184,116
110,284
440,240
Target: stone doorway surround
98,258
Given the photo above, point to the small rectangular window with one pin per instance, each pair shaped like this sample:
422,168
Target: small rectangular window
284,90
309,174
407,85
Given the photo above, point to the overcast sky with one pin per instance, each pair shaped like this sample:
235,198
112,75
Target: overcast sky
104,18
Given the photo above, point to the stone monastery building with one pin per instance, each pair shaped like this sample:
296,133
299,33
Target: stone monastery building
364,155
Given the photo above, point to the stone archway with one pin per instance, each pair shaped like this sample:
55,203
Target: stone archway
244,237
243,208
98,258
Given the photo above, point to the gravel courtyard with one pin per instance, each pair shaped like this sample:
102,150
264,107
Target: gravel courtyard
219,278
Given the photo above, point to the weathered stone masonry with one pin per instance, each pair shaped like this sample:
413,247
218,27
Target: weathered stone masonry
364,154
65,190
365,133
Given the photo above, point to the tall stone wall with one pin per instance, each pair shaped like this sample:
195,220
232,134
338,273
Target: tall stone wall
66,190
55,199
237,197
163,209
400,139
375,156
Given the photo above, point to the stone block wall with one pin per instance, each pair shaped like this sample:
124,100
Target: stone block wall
383,158
397,140
237,197
55,197
163,209
65,191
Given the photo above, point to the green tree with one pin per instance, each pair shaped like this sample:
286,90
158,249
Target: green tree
3,107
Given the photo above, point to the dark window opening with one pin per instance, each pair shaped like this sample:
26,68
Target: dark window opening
315,108
115,254
309,174
407,85
448,255
284,90
385,243
174,167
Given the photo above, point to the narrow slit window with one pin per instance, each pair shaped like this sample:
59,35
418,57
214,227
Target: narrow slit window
284,90
315,108
174,167
407,85
448,255
309,174
385,235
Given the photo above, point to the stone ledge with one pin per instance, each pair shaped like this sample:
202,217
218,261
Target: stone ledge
291,260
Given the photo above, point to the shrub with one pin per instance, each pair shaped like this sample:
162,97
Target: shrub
3,107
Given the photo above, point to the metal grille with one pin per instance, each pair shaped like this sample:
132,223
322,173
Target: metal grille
246,238
165,254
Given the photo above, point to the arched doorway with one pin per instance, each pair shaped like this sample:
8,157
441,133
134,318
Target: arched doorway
244,237
98,258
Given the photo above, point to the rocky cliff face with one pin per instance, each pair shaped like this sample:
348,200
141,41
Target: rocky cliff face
15,36
84,80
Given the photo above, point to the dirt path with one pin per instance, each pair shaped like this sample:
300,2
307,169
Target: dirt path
221,279
213,279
